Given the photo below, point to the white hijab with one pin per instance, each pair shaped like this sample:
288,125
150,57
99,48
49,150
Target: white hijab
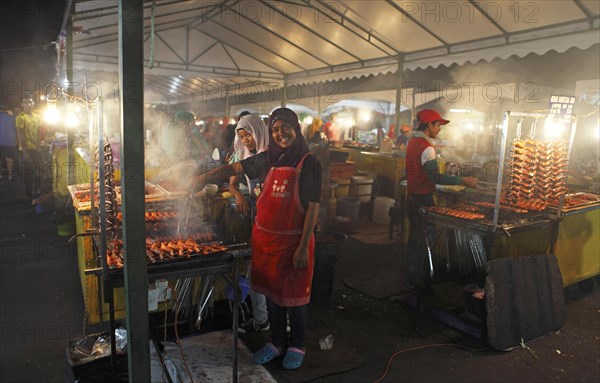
254,125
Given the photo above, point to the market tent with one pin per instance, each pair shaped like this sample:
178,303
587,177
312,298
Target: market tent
588,91
214,49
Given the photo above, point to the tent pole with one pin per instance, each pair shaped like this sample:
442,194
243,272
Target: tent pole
131,99
227,107
284,92
399,80
70,92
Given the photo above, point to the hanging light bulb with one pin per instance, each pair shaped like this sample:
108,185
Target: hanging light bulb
51,115
553,127
364,115
71,120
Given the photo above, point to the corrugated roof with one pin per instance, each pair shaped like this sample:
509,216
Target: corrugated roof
208,48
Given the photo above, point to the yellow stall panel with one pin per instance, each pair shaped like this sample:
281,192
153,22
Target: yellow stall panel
578,247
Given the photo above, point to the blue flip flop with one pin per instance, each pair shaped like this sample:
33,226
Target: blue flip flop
266,354
293,358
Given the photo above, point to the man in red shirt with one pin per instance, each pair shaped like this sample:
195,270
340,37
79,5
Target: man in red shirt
422,175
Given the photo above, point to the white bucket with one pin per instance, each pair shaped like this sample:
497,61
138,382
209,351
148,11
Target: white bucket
381,209
362,187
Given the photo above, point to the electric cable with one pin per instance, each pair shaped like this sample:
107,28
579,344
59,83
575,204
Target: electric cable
179,345
380,379
44,46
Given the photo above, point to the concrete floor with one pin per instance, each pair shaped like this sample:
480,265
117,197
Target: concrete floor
41,309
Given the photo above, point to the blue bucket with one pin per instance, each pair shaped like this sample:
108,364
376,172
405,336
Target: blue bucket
244,285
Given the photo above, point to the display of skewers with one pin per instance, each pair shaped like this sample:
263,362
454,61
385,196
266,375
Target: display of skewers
537,172
456,213
114,255
163,251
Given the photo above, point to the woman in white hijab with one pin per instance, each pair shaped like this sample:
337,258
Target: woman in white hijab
251,137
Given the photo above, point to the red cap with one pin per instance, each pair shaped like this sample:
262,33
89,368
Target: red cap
430,115
405,128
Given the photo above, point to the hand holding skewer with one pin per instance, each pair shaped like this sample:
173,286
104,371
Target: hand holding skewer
470,182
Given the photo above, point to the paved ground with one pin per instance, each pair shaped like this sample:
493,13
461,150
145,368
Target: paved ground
41,309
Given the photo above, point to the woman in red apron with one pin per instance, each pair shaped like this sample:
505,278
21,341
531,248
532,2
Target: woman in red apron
283,234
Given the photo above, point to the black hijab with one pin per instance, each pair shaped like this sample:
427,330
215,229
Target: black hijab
292,155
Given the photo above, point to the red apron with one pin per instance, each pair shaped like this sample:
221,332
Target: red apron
276,235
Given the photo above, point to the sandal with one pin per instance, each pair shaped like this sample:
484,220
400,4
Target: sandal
266,354
293,358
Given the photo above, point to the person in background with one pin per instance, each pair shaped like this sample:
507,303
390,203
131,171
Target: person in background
212,137
392,132
380,132
28,134
196,147
283,238
314,134
329,129
403,137
319,146
251,138
422,175
228,137
8,141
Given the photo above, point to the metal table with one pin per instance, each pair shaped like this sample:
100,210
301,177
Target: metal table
220,263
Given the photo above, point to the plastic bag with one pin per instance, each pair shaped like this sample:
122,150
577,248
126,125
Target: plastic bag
94,346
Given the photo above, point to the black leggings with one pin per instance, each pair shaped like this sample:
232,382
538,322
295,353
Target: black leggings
278,319
31,173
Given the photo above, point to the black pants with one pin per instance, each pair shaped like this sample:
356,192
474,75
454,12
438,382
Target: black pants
31,173
278,319
415,261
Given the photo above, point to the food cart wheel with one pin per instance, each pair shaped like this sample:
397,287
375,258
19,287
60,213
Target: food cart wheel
586,285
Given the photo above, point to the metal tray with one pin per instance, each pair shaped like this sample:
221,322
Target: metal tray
565,209
85,187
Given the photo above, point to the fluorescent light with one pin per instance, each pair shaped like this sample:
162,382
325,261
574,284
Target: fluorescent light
459,110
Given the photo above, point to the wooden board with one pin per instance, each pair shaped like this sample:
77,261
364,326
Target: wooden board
524,299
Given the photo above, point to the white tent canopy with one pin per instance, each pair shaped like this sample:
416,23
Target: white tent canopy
215,48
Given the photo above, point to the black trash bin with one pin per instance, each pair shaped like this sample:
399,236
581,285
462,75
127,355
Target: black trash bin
327,246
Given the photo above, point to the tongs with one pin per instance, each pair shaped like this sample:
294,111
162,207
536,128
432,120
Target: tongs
170,170
184,218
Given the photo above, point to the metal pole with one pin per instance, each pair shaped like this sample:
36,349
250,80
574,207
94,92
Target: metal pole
399,79
69,56
236,300
284,92
106,287
500,169
569,149
227,107
131,98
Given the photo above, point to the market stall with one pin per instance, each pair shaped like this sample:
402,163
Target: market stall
529,211
530,189
198,56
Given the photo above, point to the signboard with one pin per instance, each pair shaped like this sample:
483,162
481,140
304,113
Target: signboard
561,106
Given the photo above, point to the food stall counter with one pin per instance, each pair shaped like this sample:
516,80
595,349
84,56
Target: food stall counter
387,165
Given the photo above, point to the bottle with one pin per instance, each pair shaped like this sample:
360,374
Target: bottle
326,343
